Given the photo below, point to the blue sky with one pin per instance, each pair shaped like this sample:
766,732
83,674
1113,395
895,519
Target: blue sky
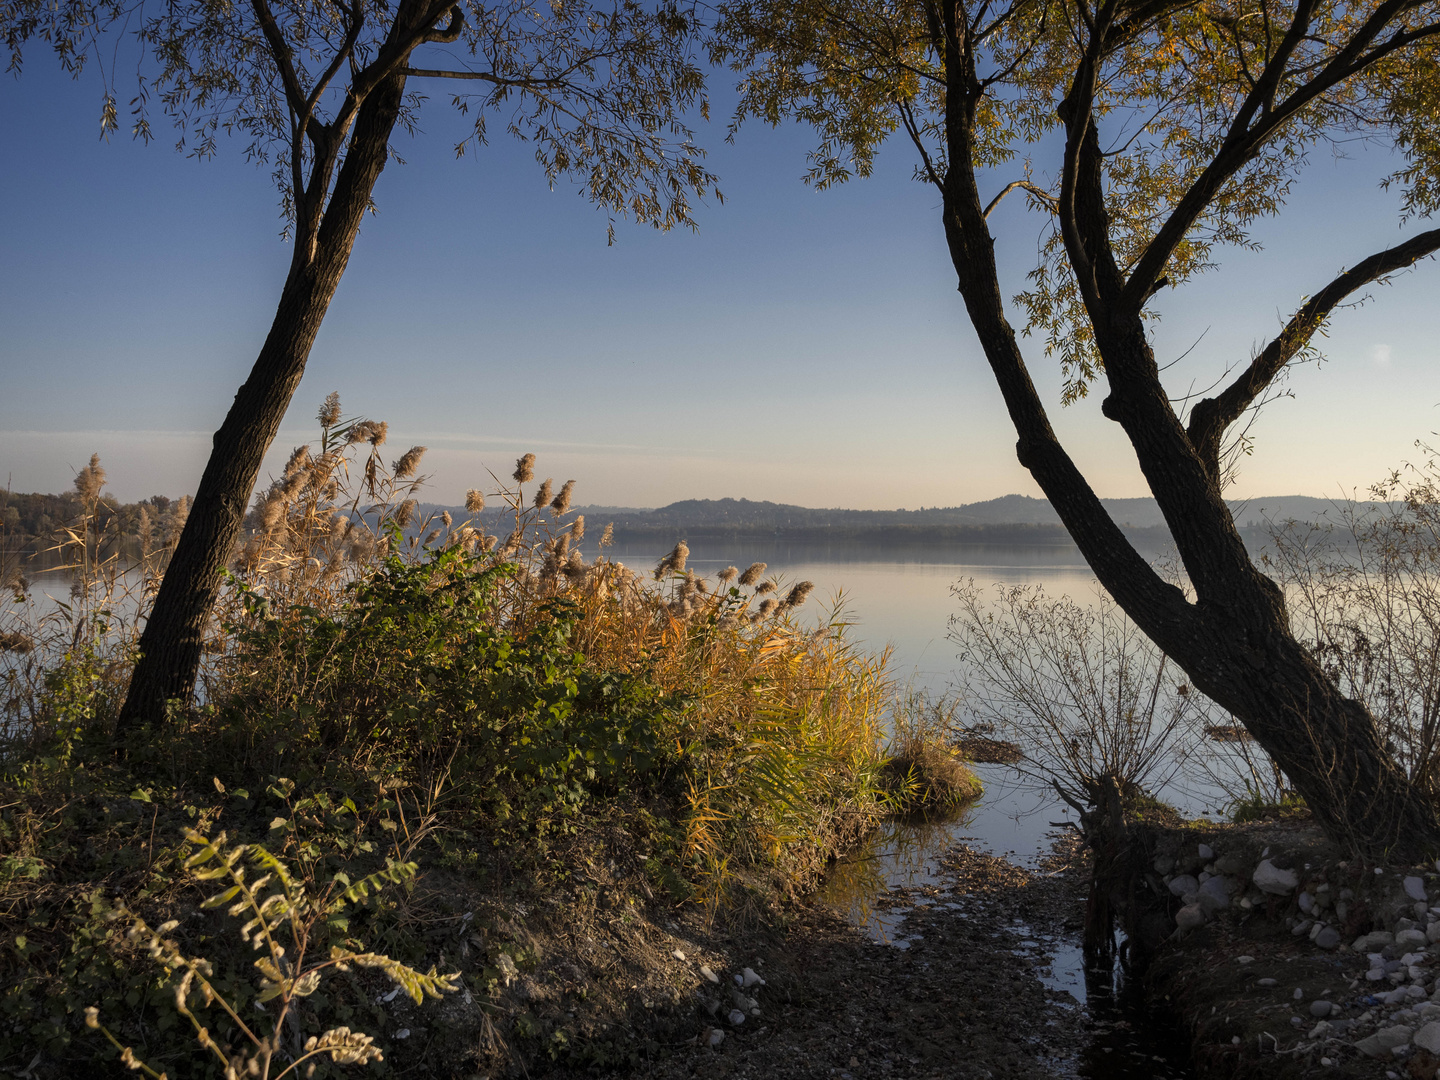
803,347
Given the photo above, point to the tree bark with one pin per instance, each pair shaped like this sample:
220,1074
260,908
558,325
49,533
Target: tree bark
1235,640
173,638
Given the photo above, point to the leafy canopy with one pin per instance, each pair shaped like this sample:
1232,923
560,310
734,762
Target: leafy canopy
603,92
1206,111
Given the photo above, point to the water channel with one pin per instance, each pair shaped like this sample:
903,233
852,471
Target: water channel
905,604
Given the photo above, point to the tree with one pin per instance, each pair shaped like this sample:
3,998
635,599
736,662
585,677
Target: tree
316,89
1173,126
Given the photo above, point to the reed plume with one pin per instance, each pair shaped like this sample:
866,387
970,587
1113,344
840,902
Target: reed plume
404,513
144,531
299,459
543,495
577,528
445,518
674,562
561,505
525,469
474,501
799,594
728,575
765,587
90,480
608,536
408,463
329,410
178,518
752,574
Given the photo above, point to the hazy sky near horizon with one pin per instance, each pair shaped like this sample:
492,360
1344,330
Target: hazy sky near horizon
801,347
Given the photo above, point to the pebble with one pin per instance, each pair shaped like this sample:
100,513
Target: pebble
679,955
1432,932
705,970
1182,884
736,1017
1328,938
1415,888
1265,982
1189,917
1320,1008
1406,938
1206,852
1214,893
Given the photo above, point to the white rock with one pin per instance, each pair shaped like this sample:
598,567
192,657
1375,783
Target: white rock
1320,1008
1307,903
749,978
403,1033
1271,879
1428,1037
1298,995
705,970
712,1037
1432,933
678,955
1182,884
1322,1028
1415,888
1244,959
1383,1041
1205,852
736,1017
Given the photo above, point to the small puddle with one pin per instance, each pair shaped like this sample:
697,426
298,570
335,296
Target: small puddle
1126,1040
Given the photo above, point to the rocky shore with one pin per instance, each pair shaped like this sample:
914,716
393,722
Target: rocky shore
1288,960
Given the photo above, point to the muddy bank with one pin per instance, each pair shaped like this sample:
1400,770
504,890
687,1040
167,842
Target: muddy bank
969,973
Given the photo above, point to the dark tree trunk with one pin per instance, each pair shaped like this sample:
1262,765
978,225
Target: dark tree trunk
171,644
1235,640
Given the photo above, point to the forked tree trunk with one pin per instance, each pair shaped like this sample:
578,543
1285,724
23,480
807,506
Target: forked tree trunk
174,635
1235,640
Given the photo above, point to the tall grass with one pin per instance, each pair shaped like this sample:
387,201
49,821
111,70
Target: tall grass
343,636
377,686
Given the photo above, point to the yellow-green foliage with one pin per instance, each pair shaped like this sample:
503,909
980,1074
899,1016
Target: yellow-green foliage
418,692
287,919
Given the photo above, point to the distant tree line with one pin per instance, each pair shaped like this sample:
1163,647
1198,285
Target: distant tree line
33,524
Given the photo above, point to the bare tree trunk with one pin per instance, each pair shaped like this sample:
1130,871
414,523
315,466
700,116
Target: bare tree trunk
1235,640
171,645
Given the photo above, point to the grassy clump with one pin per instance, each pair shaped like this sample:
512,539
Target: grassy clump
380,692
925,772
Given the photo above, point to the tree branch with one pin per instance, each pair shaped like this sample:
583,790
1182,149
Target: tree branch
1210,417
1243,141
1034,189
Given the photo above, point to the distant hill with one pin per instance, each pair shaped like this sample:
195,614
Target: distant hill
1009,519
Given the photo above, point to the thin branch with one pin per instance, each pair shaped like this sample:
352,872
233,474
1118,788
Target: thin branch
1210,418
1034,189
